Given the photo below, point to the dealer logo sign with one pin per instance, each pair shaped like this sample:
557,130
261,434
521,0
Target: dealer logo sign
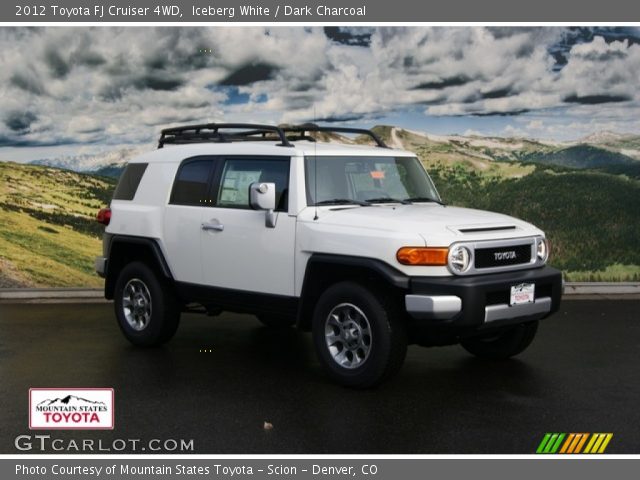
71,409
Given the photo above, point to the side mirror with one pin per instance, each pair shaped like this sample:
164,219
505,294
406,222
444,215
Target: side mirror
262,196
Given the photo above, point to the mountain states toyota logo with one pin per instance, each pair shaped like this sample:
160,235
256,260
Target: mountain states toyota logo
71,409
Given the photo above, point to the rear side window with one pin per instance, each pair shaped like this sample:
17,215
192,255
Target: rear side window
192,183
129,181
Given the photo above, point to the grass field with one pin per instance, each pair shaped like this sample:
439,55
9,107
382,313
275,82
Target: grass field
48,235
613,273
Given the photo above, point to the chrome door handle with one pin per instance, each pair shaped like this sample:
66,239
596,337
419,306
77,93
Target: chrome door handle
213,226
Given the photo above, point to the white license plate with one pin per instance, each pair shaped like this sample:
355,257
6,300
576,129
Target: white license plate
523,293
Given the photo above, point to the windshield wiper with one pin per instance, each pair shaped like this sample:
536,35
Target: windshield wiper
387,200
343,201
424,199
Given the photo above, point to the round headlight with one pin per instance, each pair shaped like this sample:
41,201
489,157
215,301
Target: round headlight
459,259
543,249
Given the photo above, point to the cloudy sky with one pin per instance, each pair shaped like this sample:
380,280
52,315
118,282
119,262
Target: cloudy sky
74,90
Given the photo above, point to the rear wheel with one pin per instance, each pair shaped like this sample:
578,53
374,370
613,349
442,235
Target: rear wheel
360,337
146,308
504,344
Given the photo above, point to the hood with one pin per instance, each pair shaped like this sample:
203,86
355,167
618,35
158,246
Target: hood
437,224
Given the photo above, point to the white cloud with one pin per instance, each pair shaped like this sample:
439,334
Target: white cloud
472,133
121,85
535,125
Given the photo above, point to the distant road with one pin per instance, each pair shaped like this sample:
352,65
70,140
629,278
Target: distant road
580,375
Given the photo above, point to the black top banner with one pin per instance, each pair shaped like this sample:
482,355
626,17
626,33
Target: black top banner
319,11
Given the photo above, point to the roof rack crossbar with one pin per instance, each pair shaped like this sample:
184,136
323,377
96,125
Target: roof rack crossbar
311,127
211,132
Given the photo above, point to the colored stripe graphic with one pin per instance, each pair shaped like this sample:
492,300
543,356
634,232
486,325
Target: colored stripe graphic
550,443
576,446
543,443
574,443
567,443
598,443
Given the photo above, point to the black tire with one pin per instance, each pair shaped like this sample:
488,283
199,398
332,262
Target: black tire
157,324
275,321
502,345
387,340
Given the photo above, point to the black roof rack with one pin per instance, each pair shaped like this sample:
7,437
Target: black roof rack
210,132
311,127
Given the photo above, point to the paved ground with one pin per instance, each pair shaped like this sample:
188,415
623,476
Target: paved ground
580,375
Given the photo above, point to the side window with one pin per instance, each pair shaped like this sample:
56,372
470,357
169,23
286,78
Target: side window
129,181
239,173
191,186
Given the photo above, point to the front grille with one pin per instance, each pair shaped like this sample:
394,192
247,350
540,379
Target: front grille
502,256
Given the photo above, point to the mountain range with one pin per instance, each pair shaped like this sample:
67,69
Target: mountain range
108,163
605,150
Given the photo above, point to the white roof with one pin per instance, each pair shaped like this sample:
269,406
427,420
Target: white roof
172,153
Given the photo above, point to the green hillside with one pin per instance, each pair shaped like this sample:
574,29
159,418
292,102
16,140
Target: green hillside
48,232
582,156
112,171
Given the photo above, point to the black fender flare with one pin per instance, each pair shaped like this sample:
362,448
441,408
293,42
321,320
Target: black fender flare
121,247
323,270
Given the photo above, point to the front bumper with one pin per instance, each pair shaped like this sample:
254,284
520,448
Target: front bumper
482,300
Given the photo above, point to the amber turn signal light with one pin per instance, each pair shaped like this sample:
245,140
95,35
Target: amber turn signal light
429,256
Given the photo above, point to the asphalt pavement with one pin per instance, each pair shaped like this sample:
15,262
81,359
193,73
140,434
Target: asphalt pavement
220,379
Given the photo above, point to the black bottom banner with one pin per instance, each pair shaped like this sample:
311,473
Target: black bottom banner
317,468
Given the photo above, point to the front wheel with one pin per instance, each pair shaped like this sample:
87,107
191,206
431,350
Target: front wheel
360,337
145,306
502,345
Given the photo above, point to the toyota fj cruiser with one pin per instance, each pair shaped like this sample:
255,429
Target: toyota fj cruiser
349,241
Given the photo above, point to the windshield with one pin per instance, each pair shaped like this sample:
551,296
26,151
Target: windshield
358,179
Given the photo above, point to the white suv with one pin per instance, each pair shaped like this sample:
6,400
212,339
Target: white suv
349,241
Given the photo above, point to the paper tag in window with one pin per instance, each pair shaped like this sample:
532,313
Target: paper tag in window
377,174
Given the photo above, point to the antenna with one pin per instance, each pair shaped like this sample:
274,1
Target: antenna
315,168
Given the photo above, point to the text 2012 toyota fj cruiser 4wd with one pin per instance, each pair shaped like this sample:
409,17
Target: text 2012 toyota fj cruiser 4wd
349,241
